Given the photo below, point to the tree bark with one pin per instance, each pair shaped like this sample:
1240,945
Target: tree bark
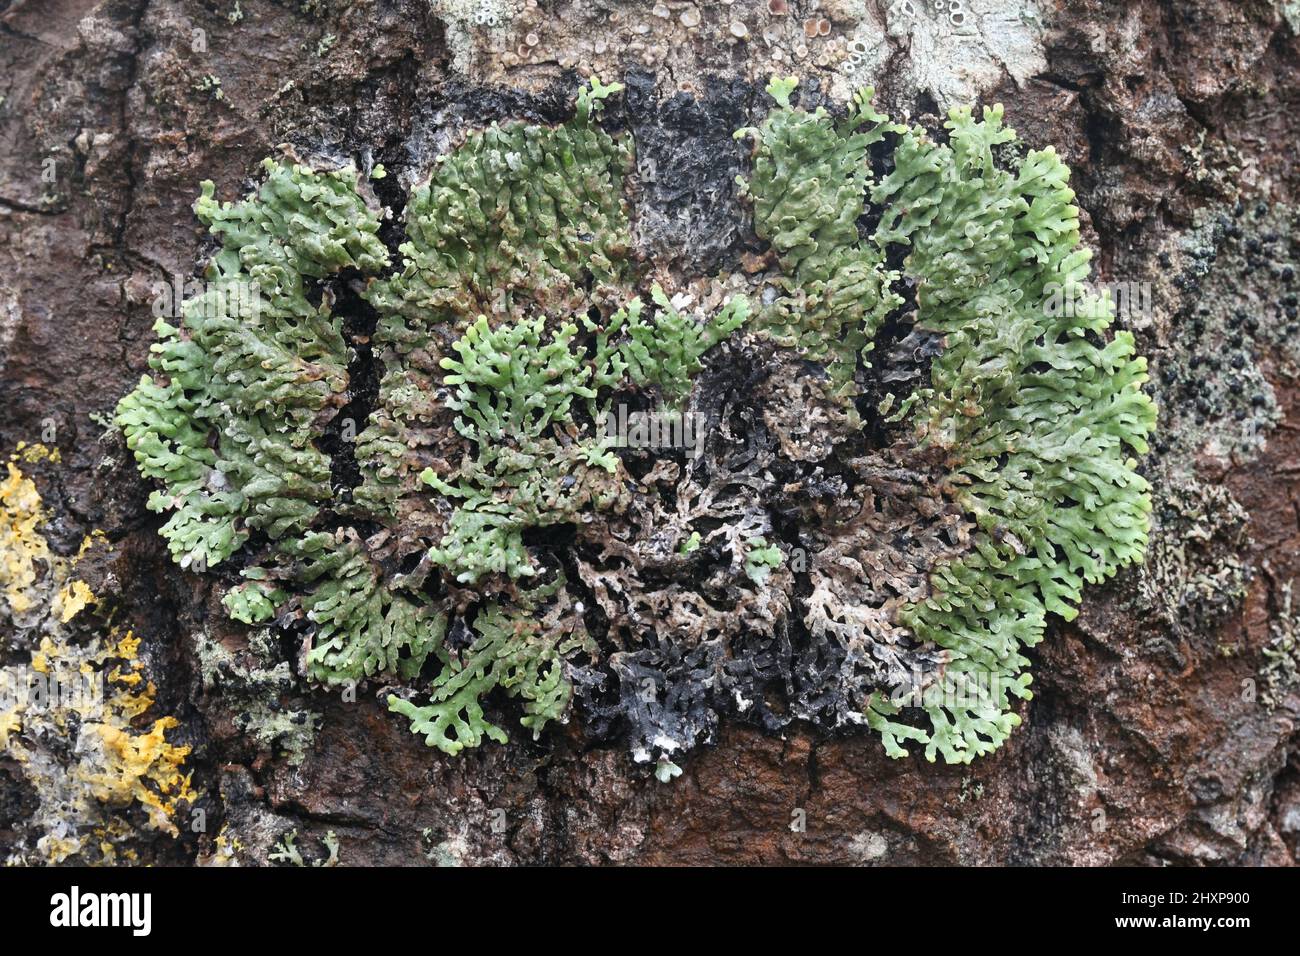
1159,732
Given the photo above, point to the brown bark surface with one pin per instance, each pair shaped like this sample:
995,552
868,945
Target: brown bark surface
1147,740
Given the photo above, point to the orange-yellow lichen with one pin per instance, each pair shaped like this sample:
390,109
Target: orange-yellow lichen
72,599
41,658
144,768
76,739
226,849
23,550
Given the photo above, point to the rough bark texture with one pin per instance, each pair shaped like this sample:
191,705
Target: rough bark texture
1159,730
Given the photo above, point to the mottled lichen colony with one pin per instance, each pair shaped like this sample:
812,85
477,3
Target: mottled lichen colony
901,458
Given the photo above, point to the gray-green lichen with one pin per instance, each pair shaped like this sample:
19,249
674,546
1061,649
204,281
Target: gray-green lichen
1280,675
1234,276
1291,12
253,683
1229,285
287,853
1194,576
907,458
952,51
462,17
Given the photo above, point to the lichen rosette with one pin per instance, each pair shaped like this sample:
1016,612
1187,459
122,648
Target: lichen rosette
907,458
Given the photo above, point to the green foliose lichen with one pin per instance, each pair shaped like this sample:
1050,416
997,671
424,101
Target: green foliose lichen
487,537
1036,414
254,365
809,188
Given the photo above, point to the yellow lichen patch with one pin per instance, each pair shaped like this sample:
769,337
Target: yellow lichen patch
226,848
144,768
95,537
23,549
10,723
72,723
127,646
111,766
117,677
41,658
57,849
33,454
27,566
109,838
128,698
72,599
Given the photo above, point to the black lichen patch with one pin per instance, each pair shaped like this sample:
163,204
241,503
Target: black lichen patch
359,321
688,214
1237,306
